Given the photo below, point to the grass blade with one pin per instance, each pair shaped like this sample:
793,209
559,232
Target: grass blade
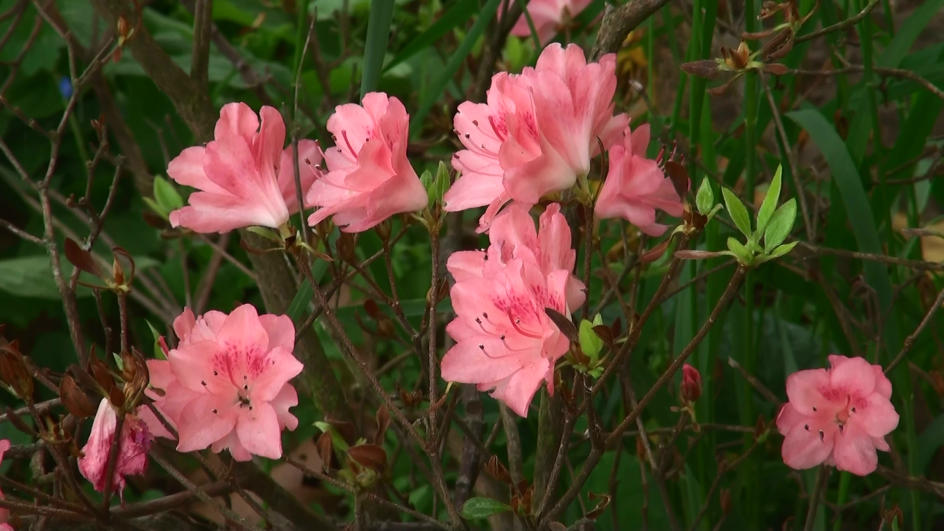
378,32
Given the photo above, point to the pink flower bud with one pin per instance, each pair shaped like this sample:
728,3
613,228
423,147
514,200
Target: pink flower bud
691,383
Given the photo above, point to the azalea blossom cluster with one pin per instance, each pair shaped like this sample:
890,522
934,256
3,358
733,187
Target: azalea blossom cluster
536,135
226,383
505,340
245,177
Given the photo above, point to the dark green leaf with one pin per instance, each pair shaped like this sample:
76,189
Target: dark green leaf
378,32
852,193
480,507
452,17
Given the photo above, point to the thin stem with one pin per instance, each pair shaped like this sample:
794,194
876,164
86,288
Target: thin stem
815,497
909,341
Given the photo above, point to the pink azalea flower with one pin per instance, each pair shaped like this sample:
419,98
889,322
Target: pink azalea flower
369,177
505,341
133,448
4,513
635,186
537,132
838,416
547,16
226,383
244,176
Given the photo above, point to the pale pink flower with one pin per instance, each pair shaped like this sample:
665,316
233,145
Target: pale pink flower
635,186
134,444
226,383
369,177
838,416
4,512
547,16
505,341
244,176
537,132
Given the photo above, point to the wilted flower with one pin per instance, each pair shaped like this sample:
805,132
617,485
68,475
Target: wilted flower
635,186
504,339
134,444
369,177
691,383
243,176
226,383
537,133
548,16
838,416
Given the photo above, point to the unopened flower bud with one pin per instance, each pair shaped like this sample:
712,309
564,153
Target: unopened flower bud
691,383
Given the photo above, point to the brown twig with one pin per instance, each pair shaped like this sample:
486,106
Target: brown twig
909,341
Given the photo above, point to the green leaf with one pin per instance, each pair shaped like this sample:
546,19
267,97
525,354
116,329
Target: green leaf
440,183
155,335
378,33
780,225
31,277
780,251
152,204
907,33
590,342
737,211
166,196
705,197
770,201
480,507
741,253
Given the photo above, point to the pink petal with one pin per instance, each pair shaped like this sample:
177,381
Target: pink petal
804,389
287,398
280,367
280,330
518,391
802,448
183,323
258,431
243,327
855,452
466,362
855,376
236,121
878,418
199,426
